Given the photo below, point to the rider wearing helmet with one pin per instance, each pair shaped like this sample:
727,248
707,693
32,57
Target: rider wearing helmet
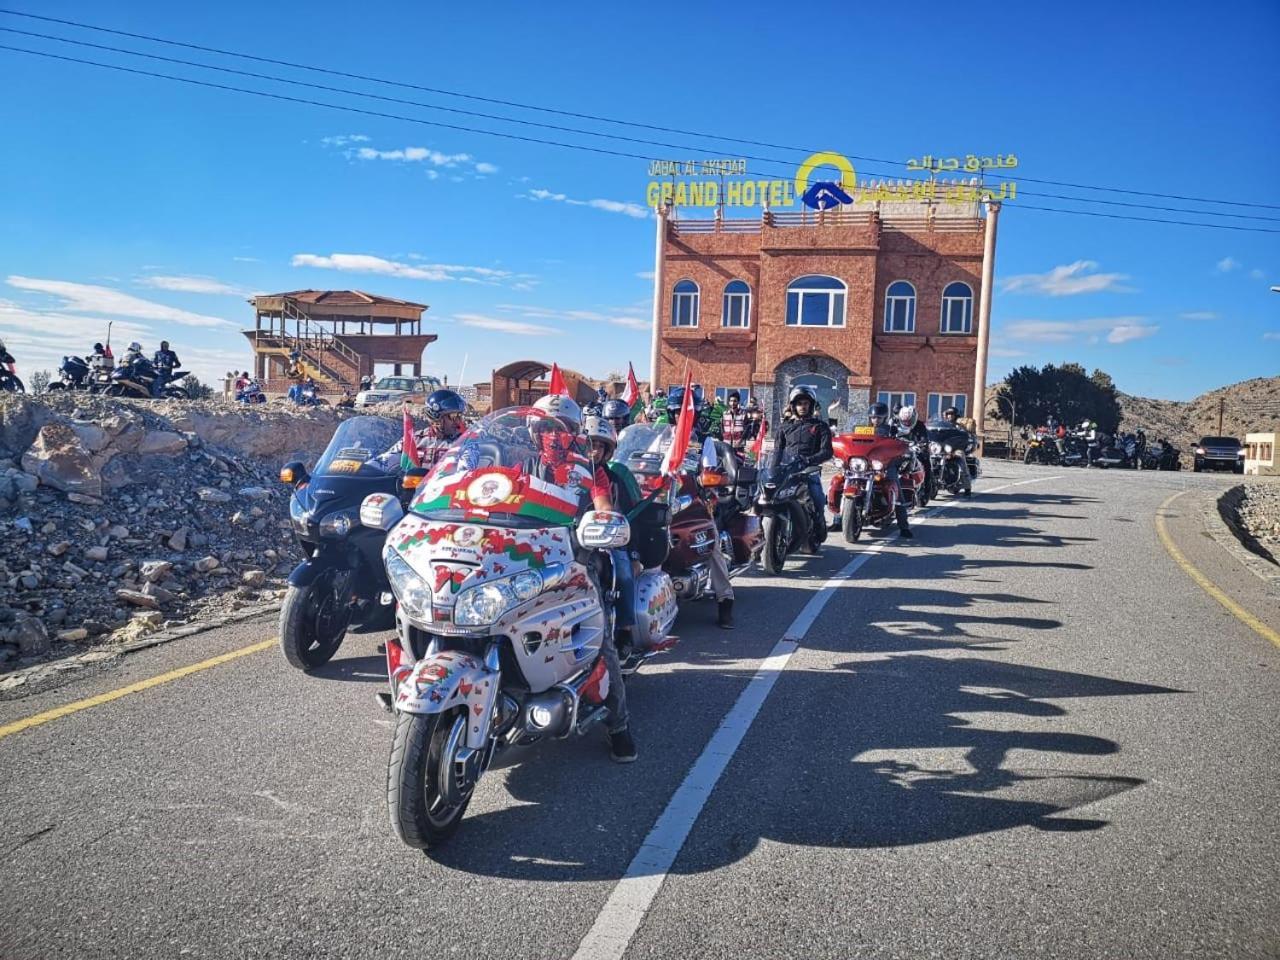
952,416
625,496
445,410
556,433
165,362
806,438
6,358
617,413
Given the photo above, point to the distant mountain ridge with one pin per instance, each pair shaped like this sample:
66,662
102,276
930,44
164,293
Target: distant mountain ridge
1250,406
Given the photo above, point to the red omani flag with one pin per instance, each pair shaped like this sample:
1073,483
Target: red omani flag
631,395
757,448
557,382
684,429
409,445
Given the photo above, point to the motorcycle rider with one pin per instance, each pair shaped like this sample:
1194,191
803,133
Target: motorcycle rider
878,418
803,436
910,428
952,416
6,358
165,362
102,357
444,410
736,424
617,413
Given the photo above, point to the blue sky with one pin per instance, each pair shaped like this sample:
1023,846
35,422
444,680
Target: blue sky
161,206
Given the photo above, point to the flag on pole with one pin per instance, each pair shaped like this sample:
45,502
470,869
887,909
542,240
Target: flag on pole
684,429
757,448
631,395
409,457
557,382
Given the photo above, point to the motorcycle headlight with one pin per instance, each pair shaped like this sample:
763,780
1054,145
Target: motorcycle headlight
877,464
858,464
948,448
410,589
526,585
935,448
337,524
482,605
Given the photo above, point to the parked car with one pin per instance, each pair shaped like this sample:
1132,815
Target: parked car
1219,453
397,390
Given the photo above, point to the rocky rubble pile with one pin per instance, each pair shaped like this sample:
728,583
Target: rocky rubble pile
118,517
1259,514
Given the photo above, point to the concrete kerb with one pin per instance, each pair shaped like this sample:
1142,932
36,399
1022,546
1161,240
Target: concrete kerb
1215,511
42,677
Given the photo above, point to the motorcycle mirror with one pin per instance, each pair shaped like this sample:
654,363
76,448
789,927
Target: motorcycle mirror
294,473
381,511
413,478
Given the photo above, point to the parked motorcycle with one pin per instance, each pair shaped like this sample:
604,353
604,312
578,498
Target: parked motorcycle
786,512
947,444
10,382
251,393
862,493
136,377
500,620
73,375
308,396
1041,448
341,576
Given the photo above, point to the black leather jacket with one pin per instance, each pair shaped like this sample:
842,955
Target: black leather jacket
808,440
166,360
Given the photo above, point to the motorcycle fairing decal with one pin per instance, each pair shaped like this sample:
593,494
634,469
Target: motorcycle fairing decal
477,493
448,680
453,577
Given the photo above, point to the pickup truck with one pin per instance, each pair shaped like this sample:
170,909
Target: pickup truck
1219,453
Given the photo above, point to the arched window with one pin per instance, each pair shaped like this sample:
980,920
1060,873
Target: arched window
737,304
957,308
816,301
684,304
900,308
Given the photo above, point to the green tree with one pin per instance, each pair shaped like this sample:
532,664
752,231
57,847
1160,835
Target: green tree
1065,393
196,389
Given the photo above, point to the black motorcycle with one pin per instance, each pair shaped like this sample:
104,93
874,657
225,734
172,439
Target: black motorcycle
73,375
9,382
947,445
786,513
137,377
342,577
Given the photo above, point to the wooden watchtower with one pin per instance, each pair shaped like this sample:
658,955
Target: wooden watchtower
339,336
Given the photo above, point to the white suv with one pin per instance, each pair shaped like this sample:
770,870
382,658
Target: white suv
398,390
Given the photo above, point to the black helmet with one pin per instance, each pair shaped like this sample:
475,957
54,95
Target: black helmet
164,344
444,401
97,348
617,413
878,414
801,393
950,412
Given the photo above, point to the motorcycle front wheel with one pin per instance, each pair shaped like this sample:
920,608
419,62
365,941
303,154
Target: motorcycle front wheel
313,622
773,556
850,521
427,794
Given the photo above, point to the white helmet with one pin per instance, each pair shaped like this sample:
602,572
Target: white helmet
907,417
598,428
135,347
562,408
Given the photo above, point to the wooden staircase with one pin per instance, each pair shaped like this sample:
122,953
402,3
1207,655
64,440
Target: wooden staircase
323,356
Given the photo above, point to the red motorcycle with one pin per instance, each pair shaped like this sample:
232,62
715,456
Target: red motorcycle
729,488
861,493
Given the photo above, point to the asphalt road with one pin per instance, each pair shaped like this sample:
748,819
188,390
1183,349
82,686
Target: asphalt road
1028,733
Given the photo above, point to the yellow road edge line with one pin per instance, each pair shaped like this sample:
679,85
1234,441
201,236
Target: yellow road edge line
1209,587
35,720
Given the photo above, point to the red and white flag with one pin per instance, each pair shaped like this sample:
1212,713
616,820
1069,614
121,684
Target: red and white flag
557,382
757,448
631,394
684,429
409,457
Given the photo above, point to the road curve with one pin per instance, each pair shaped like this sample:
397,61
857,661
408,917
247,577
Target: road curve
1028,733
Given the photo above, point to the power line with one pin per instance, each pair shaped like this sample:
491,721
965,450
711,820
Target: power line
510,136
593,117
563,129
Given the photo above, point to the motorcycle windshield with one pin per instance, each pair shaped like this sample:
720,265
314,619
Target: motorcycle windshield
517,467
357,449
642,448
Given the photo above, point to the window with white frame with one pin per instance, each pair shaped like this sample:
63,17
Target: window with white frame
957,308
744,394
816,301
900,308
737,304
892,399
684,304
940,401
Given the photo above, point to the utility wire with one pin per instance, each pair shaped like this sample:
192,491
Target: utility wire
592,117
563,129
509,136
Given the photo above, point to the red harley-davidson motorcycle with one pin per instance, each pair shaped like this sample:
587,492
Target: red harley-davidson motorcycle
860,492
642,448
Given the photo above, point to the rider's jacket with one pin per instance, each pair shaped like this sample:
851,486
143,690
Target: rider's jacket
166,360
808,439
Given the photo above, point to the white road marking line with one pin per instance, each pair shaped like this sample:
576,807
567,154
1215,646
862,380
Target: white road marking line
625,910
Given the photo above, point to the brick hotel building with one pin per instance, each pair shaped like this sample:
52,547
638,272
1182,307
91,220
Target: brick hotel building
860,303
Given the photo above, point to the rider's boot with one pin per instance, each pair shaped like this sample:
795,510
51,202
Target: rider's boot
724,614
904,525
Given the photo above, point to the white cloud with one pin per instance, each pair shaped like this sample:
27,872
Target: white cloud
189,285
632,318
344,140
1256,274
1227,264
367,263
645,275
513,327
1199,315
246,259
1005,352
1067,280
425,155
86,298
1117,330
1271,335
1125,332
634,210
486,168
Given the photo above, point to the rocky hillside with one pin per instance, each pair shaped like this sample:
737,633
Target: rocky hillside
1247,407
118,516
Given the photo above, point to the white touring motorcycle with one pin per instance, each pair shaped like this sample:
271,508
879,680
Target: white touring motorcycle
501,612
